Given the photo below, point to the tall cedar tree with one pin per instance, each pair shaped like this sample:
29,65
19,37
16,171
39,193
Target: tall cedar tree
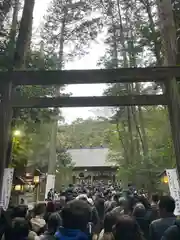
68,29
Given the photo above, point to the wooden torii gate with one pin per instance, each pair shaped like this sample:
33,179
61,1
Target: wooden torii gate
122,75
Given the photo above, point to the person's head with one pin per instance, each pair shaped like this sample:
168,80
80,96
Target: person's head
20,211
125,204
20,228
166,206
139,210
126,228
39,209
144,201
76,215
155,197
109,221
54,222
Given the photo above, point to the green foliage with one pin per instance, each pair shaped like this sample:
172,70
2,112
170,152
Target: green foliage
32,147
69,25
145,169
141,141
20,150
85,133
138,137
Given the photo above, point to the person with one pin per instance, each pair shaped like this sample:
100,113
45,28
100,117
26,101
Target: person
95,222
155,199
126,228
75,218
53,223
154,206
139,213
173,232
166,210
20,229
109,222
99,205
22,202
37,222
50,195
50,208
56,196
17,212
6,223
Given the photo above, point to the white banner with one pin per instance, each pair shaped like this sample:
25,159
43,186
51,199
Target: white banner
6,187
174,188
50,183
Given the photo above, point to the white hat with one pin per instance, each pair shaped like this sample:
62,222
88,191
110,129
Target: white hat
90,201
81,196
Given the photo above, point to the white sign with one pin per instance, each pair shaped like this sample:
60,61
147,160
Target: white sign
50,183
6,187
174,188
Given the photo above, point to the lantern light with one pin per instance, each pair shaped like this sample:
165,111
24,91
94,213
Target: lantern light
18,188
17,133
36,179
165,179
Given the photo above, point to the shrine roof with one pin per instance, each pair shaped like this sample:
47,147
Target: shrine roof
90,157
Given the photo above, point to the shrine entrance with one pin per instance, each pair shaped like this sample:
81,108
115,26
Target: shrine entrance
167,76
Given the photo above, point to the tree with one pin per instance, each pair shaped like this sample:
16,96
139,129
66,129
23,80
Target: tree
24,36
69,25
133,36
40,145
85,133
66,26
5,7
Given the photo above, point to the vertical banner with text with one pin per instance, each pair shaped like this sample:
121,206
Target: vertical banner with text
6,189
174,188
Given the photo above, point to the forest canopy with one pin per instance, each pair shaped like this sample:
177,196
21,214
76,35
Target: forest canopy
138,138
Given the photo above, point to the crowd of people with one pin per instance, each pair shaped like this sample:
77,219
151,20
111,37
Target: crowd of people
94,213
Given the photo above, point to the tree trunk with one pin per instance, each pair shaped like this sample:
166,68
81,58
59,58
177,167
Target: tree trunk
128,87
18,54
157,45
122,37
24,34
12,35
122,142
53,136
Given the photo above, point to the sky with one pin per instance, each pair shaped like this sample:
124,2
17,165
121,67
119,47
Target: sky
87,62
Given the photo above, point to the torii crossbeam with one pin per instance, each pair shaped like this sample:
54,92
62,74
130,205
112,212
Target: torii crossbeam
121,75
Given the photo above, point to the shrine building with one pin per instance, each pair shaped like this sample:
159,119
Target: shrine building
90,164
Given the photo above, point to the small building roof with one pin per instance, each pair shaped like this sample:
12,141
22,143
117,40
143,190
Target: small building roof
90,157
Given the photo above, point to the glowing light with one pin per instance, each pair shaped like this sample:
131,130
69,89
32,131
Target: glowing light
17,133
18,188
165,179
36,179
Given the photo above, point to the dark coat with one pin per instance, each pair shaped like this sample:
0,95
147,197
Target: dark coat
173,232
158,227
